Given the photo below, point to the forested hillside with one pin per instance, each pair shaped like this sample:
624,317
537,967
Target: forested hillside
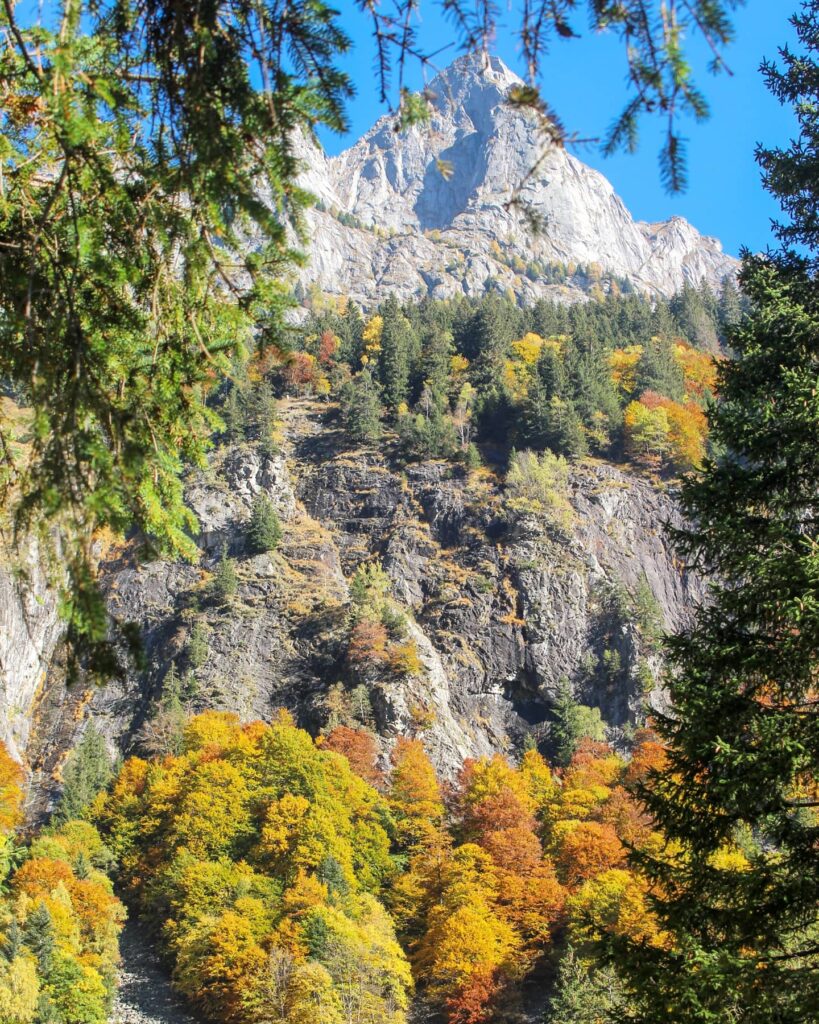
621,377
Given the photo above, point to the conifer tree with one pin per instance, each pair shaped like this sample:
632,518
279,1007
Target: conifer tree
264,531
730,305
584,993
224,583
197,650
573,722
361,408
659,371
87,771
399,348
121,304
38,937
740,901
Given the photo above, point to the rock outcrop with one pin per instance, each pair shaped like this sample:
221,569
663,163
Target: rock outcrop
30,630
426,211
501,605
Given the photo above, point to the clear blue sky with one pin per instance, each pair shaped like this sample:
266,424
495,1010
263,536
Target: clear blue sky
583,81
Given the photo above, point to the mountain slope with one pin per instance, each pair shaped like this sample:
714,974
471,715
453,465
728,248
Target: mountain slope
498,607
390,220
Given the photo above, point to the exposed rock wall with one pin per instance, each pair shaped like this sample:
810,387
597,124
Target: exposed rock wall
30,630
501,606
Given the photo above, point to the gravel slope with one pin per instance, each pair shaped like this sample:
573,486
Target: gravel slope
145,995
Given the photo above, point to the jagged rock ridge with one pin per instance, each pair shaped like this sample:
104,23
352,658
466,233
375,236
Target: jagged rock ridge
389,220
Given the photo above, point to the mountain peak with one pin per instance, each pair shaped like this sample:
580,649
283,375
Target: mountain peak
426,210
477,65
475,83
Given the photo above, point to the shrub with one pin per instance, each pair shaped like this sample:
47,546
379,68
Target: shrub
403,659
540,483
224,584
368,644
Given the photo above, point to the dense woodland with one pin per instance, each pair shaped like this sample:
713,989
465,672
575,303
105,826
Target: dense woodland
59,917
622,377
292,880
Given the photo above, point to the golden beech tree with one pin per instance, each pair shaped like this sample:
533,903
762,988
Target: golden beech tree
586,849
614,901
466,934
360,749
415,794
623,363
699,370
498,804
11,792
657,429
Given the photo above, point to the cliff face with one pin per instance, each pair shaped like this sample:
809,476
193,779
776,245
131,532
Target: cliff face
30,630
426,211
501,607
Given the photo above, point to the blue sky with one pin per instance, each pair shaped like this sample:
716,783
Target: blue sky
582,81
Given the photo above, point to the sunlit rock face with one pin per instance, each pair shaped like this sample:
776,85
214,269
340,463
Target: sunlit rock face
426,211
30,630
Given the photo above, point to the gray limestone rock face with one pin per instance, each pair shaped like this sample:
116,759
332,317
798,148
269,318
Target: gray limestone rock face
426,211
30,630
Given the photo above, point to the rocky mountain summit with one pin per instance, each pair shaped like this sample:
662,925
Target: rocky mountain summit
425,211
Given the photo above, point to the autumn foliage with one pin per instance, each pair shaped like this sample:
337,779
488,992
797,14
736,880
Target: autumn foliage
59,918
286,888
262,857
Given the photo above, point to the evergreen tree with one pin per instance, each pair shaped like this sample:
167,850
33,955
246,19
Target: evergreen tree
548,319
224,583
233,414
38,937
585,993
592,392
197,650
137,105
738,799
88,770
12,941
486,344
163,732
564,430
535,417
436,352
658,370
264,531
694,310
260,411
573,722
730,306
361,408
399,350
350,328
